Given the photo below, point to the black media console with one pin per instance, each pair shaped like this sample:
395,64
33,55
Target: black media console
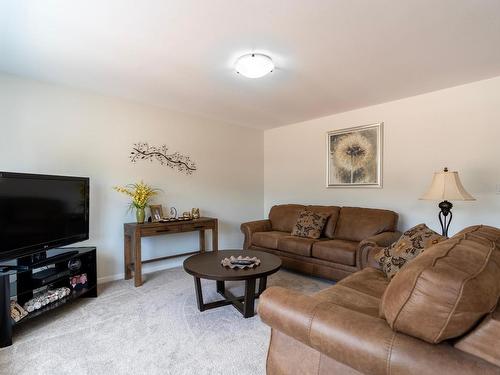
21,278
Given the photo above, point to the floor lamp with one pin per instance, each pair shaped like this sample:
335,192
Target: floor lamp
446,186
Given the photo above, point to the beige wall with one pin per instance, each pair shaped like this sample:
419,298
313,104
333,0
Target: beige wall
51,129
55,130
457,127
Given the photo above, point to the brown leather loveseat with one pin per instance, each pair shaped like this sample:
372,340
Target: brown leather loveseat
438,315
348,235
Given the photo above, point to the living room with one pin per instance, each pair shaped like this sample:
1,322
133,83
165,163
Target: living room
118,93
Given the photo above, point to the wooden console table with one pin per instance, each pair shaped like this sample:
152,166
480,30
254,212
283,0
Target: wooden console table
133,233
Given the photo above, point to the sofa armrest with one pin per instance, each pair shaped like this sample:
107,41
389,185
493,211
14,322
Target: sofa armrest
288,311
362,342
251,227
372,245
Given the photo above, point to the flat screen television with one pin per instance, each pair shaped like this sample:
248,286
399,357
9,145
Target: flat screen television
41,212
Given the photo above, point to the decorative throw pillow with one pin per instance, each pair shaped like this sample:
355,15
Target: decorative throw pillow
413,242
310,224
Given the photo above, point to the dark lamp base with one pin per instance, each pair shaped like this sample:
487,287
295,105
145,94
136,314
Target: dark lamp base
445,216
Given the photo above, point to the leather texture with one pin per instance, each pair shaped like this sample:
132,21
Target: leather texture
369,282
361,292
446,290
296,245
335,260
337,251
309,265
379,241
484,341
290,357
360,342
251,227
357,224
331,223
283,217
338,330
268,239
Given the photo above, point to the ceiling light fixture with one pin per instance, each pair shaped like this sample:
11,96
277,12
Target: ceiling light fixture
254,65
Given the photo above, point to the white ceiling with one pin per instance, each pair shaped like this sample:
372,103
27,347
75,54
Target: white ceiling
331,55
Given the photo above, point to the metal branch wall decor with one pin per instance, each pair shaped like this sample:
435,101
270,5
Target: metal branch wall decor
143,151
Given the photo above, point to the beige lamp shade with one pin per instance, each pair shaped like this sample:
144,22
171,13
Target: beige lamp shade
447,186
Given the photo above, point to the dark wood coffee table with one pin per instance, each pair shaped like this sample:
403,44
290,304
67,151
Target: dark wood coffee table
208,266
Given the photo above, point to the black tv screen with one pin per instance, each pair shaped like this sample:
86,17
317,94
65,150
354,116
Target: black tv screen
40,212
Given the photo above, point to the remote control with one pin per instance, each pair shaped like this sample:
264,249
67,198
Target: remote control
242,262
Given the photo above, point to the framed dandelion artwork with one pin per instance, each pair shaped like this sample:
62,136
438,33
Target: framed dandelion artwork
354,157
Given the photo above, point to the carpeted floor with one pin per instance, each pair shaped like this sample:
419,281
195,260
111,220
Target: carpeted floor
154,329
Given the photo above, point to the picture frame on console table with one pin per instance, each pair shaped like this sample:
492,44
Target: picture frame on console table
354,156
156,212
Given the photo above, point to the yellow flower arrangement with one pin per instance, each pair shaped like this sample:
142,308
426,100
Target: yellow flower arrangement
140,193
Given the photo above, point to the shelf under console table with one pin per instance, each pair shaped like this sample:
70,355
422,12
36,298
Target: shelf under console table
134,232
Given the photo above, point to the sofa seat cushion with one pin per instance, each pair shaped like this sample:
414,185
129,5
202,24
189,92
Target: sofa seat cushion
268,239
370,281
296,245
337,251
483,341
361,292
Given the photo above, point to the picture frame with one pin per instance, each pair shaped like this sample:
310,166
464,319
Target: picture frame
354,156
78,282
156,212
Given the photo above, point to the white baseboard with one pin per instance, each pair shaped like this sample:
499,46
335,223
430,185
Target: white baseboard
145,269
107,279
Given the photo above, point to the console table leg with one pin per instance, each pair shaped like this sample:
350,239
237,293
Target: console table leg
215,237
221,289
262,284
127,256
248,303
137,261
202,240
199,294
5,324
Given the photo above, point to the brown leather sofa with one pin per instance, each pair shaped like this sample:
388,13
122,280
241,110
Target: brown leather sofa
348,235
438,315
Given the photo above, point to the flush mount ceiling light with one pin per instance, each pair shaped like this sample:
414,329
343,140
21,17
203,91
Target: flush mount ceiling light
254,65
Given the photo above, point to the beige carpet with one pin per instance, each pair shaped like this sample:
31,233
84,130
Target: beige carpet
154,329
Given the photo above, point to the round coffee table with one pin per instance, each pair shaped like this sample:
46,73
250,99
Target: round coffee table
207,265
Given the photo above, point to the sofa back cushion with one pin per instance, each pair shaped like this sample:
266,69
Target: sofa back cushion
444,291
333,212
284,216
357,224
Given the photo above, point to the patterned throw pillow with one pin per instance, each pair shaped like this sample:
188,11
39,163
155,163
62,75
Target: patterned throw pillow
413,242
310,224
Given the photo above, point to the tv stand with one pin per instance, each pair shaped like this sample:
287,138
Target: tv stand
36,274
8,268
46,257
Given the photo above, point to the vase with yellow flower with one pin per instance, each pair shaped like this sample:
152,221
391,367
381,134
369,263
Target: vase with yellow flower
141,195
